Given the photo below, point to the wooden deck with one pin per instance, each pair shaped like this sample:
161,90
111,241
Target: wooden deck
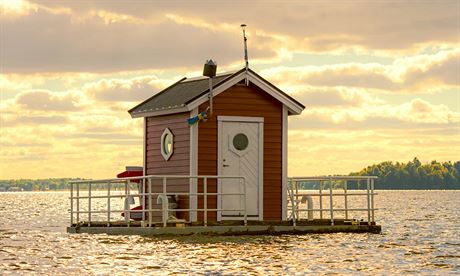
226,228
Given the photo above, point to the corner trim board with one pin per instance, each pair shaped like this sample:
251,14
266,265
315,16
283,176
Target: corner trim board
284,183
193,188
144,147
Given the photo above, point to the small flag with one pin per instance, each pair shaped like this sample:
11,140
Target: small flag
194,120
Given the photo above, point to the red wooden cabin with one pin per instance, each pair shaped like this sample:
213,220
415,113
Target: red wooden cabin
246,135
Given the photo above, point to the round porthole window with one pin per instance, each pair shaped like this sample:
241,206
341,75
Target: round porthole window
167,144
240,141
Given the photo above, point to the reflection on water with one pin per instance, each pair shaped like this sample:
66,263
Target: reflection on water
420,236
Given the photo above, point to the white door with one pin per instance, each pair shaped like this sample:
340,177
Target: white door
240,153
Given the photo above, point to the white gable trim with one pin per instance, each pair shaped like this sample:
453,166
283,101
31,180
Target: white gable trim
292,106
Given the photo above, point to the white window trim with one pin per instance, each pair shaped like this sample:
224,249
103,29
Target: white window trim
165,155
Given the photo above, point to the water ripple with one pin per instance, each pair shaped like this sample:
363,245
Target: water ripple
420,236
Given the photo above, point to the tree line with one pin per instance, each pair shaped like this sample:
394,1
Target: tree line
391,176
414,175
36,184
50,184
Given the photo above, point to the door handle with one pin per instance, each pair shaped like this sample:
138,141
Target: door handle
225,165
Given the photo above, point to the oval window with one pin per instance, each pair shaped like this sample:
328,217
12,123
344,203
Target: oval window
240,141
167,144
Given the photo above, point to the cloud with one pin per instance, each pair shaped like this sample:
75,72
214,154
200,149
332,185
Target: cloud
62,44
11,121
341,151
422,111
415,114
110,37
124,90
47,101
440,69
45,137
333,97
16,8
315,25
425,72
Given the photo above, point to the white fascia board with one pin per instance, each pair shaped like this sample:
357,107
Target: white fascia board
160,112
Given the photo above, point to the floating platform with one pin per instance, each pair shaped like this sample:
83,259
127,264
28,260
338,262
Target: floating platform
227,228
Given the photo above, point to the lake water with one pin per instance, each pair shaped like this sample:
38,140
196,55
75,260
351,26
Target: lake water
421,235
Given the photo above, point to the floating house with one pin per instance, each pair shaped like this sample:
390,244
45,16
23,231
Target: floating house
246,135
215,161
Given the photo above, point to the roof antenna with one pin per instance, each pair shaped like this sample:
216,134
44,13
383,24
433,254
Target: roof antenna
243,26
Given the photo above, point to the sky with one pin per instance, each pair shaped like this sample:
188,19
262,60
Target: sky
380,79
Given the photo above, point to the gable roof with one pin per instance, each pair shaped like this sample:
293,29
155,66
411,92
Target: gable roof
187,94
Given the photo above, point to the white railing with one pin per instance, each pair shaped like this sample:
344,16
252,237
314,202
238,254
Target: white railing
84,204
335,188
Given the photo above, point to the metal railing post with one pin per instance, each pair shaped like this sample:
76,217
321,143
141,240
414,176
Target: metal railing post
205,201
245,205
108,203
143,202
372,199
89,203
78,203
331,207
294,204
345,188
288,198
368,203
165,199
150,202
321,199
71,204
296,198
128,197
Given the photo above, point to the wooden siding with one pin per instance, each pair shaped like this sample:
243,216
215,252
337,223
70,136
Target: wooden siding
178,164
251,101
